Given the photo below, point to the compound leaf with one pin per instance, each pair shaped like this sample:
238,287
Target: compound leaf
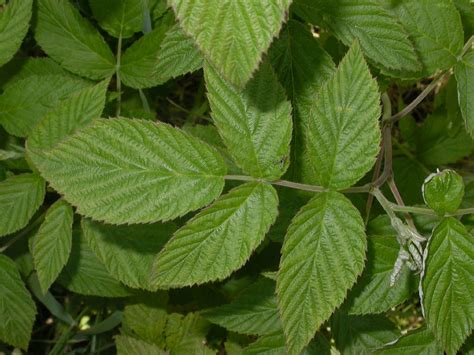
134,171
253,312
254,122
343,130
17,309
20,197
464,71
120,18
322,256
127,251
52,243
233,35
448,284
219,239
72,41
382,38
14,20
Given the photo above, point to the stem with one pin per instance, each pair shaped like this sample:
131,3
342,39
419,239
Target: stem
117,75
407,110
145,104
24,232
399,199
467,47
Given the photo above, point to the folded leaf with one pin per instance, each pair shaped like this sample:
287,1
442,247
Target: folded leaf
302,66
464,71
20,197
26,102
254,311
418,342
448,284
435,29
71,40
52,243
254,122
17,309
381,37
215,242
127,251
14,21
233,35
86,275
322,256
343,132
133,171
120,18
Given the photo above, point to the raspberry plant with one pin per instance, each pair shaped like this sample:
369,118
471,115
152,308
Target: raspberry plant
236,176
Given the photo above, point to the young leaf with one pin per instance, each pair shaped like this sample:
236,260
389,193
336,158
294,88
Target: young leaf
362,334
128,345
323,254
435,29
134,171
86,275
26,102
464,71
233,35
302,67
127,251
418,342
373,293
120,18
382,38
215,242
253,312
187,334
17,309
71,40
66,118
443,192
20,197
343,132
255,122
159,56
14,20
52,243
448,284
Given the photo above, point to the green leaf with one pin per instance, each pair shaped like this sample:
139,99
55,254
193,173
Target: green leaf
134,171
66,118
254,311
159,56
72,41
148,318
362,334
444,191
302,67
418,342
464,71
120,18
26,102
86,275
14,21
435,29
382,38
233,35
272,344
216,242
127,251
17,309
187,334
343,131
323,254
448,284
127,345
52,243
373,293
255,122
20,197
466,10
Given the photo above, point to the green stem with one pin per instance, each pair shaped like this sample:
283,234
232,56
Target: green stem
467,47
117,75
